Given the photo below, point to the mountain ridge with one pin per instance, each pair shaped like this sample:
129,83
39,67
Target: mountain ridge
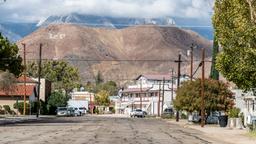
116,53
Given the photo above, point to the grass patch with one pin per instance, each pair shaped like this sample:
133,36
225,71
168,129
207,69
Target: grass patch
251,134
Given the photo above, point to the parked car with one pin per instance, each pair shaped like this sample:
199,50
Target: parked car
213,118
74,111
168,113
82,110
137,113
62,111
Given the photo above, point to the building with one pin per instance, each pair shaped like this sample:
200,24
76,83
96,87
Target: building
45,88
246,102
17,92
82,95
152,93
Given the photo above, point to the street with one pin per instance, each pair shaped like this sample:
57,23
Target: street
100,130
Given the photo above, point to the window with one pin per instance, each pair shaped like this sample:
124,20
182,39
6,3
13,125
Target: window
152,94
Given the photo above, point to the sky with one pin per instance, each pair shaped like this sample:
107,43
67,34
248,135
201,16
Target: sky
36,10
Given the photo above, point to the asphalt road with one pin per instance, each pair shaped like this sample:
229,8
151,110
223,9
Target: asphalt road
101,130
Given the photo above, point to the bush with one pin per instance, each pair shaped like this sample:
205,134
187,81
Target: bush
184,116
96,111
112,109
233,113
20,107
7,109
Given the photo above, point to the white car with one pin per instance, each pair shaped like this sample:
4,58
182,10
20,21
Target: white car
137,113
82,110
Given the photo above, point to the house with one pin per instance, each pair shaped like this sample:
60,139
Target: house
152,93
17,92
246,102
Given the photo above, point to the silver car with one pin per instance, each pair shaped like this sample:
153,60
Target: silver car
62,111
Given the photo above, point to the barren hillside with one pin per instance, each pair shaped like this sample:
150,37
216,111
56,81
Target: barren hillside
119,54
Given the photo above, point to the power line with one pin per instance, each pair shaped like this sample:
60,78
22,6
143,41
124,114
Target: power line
106,60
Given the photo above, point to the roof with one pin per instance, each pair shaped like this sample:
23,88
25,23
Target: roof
21,79
136,90
159,77
19,90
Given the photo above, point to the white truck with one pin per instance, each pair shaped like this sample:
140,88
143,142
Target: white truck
80,106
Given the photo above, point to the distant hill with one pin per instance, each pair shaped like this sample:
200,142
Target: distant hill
119,54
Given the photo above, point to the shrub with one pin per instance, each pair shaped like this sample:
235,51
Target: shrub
7,108
167,116
233,113
184,116
20,107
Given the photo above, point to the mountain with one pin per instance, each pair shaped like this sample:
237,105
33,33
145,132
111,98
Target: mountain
196,25
119,54
102,21
9,34
15,31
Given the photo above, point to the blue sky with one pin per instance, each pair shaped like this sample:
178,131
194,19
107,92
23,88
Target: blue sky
36,10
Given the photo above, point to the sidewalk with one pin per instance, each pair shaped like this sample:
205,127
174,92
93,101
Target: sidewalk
20,119
234,136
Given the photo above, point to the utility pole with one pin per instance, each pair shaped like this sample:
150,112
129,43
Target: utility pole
172,87
163,95
140,94
178,82
191,61
25,79
202,90
39,80
159,95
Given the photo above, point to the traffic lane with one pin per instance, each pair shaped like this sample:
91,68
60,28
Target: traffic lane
100,130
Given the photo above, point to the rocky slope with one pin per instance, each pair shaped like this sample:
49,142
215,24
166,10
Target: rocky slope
119,54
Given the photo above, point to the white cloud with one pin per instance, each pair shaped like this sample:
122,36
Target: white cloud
34,10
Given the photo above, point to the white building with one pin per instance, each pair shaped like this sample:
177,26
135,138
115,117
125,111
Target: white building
151,93
82,95
246,102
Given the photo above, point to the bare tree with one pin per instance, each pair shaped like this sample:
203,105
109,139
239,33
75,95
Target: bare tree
7,81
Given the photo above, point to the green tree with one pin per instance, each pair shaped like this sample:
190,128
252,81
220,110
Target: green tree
110,87
99,79
102,98
217,96
235,28
63,75
214,72
56,99
9,58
